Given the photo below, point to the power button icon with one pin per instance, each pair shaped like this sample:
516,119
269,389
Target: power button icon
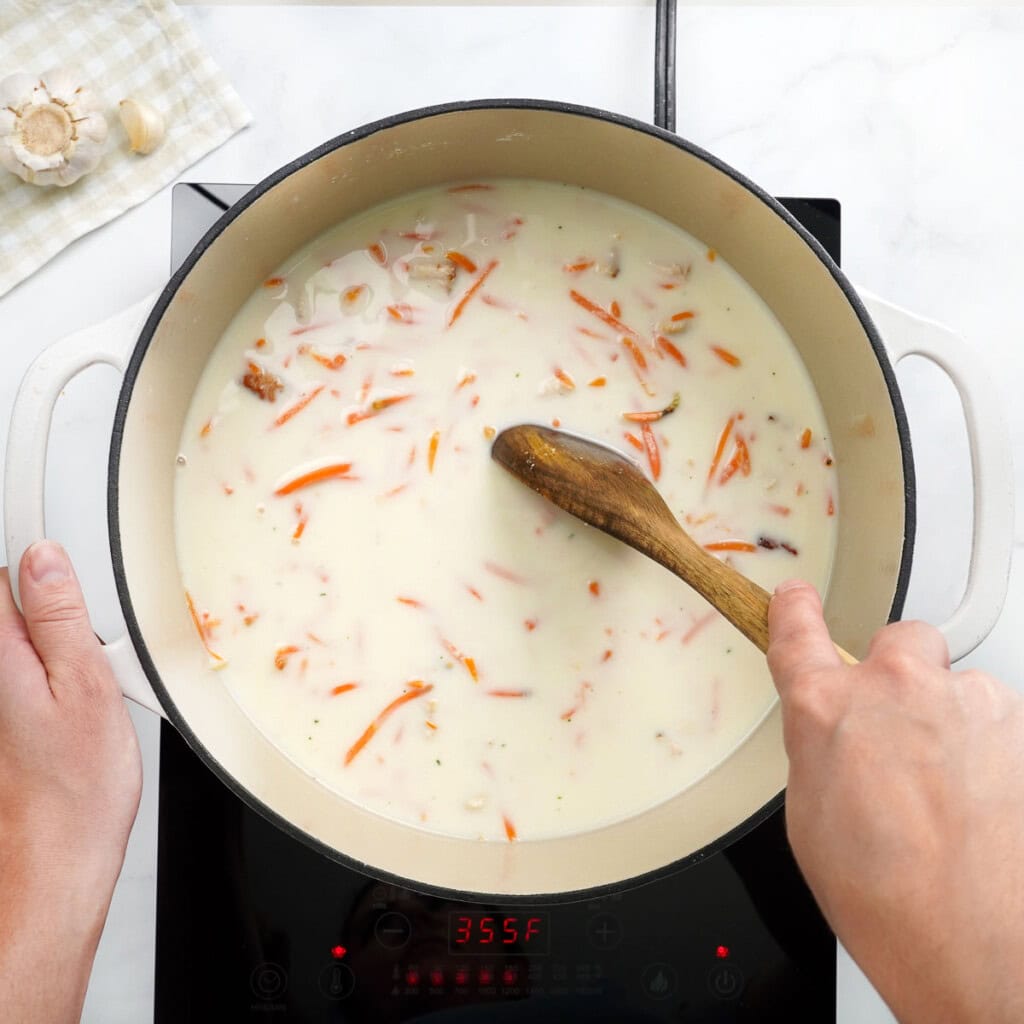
726,981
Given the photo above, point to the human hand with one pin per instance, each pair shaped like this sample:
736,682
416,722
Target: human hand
70,781
905,811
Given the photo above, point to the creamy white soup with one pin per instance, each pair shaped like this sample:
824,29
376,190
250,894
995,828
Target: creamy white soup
402,618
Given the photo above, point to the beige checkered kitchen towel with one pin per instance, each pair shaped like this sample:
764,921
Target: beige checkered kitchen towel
139,48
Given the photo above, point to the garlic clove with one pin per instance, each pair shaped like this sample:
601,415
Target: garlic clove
16,90
143,124
63,85
93,127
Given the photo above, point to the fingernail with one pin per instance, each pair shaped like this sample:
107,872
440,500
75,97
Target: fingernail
47,562
789,585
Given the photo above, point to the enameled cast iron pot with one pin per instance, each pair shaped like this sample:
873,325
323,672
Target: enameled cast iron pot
160,664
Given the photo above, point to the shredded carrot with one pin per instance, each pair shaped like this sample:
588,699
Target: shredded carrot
468,663
651,445
666,346
730,545
830,508
395,490
476,593
530,624
470,292
591,334
594,587
378,253
800,489
598,382
206,428
435,438
199,628
378,405
634,351
402,312
273,282
315,476
471,188
294,410
601,314
726,356
510,829
303,519
418,236
467,378
411,601
634,441
429,724
657,414
805,438
505,574
508,693
607,655
578,267
351,295
683,314
261,342
462,261
564,378
780,510
739,463
372,728
698,626
556,422
282,654
328,362
723,440
615,309
343,688
712,255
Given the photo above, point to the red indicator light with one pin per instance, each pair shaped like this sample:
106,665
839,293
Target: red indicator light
462,976
486,976
509,976
437,978
412,976
338,952
722,952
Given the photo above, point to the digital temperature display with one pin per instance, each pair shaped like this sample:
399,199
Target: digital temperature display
481,932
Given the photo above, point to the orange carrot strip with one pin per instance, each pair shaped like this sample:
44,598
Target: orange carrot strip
461,261
435,437
282,654
411,601
468,663
430,725
805,438
615,309
402,312
471,188
315,476
372,728
698,626
261,342
378,405
273,282
739,463
505,574
508,693
579,267
634,441
684,314
530,624
199,627
634,351
666,346
606,656
780,510
599,382
343,688
726,356
328,362
562,376
601,314
720,448
830,508
712,255
594,587
510,829
642,417
378,253
470,292
730,545
476,593
294,410
206,428
653,453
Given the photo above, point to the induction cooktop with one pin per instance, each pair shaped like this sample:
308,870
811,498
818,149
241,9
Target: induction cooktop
253,925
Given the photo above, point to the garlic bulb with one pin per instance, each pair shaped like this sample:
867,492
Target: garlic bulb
143,123
51,132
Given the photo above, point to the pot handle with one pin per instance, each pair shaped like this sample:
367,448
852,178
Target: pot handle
108,342
905,334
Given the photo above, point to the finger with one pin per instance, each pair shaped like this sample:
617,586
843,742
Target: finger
911,639
798,639
55,615
11,622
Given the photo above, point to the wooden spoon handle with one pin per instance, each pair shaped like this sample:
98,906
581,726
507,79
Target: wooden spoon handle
739,599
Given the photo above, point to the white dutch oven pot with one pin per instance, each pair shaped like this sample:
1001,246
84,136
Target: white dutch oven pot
160,665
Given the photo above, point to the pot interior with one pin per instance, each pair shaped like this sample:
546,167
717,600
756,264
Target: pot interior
435,147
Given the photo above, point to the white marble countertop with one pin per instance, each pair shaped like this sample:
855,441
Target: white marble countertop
910,116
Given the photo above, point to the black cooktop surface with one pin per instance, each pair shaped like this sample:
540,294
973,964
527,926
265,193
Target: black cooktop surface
252,925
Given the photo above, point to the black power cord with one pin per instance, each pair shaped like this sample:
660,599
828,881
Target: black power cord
665,65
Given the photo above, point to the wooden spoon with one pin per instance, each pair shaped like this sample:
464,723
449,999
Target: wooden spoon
608,490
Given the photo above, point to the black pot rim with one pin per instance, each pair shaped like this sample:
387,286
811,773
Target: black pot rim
142,346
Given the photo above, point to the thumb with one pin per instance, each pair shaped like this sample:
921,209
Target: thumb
54,610
798,639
